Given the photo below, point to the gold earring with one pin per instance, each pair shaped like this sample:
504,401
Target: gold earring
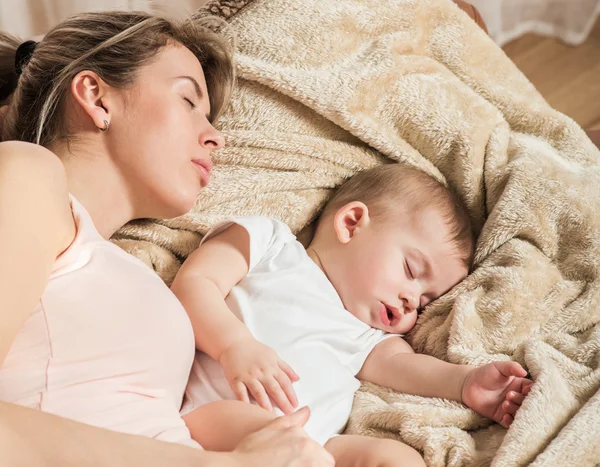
106,126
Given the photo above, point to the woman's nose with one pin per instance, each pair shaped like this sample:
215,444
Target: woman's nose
212,139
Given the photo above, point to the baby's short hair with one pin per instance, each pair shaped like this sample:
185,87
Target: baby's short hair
386,188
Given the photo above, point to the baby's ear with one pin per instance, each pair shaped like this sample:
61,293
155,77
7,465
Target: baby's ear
349,219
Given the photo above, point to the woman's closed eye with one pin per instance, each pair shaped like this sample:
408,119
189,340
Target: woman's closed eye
189,101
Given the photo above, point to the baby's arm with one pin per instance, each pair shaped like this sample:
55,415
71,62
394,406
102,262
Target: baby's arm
394,364
495,390
202,283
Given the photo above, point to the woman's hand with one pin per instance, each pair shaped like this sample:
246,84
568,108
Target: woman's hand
282,443
254,368
496,390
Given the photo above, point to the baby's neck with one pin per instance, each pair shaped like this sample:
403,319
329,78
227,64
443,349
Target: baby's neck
312,254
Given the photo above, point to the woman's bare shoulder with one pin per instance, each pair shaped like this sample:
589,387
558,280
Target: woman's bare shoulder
21,153
34,191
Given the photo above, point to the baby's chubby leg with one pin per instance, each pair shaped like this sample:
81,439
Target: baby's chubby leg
221,425
363,451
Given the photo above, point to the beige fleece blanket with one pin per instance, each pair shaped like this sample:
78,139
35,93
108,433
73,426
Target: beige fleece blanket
329,88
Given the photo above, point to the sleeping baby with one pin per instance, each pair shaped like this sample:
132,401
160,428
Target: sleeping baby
281,326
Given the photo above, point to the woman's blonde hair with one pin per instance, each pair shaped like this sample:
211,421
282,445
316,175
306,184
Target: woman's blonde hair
113,44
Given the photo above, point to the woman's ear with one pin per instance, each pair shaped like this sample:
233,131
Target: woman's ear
349,220
92,94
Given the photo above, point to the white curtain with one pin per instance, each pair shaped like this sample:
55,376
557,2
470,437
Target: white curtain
28,18
569,20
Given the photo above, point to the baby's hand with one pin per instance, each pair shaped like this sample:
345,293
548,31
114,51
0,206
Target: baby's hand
252,367
496,390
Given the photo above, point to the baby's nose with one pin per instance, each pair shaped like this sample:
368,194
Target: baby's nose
411,303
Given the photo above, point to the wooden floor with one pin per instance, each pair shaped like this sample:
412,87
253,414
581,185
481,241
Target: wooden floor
567,77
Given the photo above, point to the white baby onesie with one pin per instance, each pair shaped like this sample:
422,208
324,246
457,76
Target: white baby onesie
288,303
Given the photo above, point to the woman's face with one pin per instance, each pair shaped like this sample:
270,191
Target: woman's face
161,140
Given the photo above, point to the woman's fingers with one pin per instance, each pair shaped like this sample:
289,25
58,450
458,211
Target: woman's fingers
297,418
283,443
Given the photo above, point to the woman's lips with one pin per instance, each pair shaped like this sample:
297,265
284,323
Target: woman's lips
204,167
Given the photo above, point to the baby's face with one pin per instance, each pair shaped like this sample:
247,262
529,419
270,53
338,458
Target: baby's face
392,271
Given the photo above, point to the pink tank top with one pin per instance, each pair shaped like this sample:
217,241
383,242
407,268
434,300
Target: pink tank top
108,344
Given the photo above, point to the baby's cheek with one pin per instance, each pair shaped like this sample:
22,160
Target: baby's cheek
376,283
415,317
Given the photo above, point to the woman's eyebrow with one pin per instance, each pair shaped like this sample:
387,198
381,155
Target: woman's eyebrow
199,92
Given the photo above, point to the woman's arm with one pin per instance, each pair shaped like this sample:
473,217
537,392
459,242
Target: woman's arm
37,439
36,225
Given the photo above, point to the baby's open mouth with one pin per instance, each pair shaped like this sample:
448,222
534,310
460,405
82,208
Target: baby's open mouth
389,316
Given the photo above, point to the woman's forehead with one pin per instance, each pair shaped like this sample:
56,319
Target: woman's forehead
172,61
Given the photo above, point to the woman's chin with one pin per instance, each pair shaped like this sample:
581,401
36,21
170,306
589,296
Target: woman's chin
177,204
186,206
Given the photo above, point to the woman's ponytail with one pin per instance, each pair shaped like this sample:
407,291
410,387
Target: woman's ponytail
8,74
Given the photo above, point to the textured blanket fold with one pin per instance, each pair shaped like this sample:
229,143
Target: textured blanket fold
329,88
